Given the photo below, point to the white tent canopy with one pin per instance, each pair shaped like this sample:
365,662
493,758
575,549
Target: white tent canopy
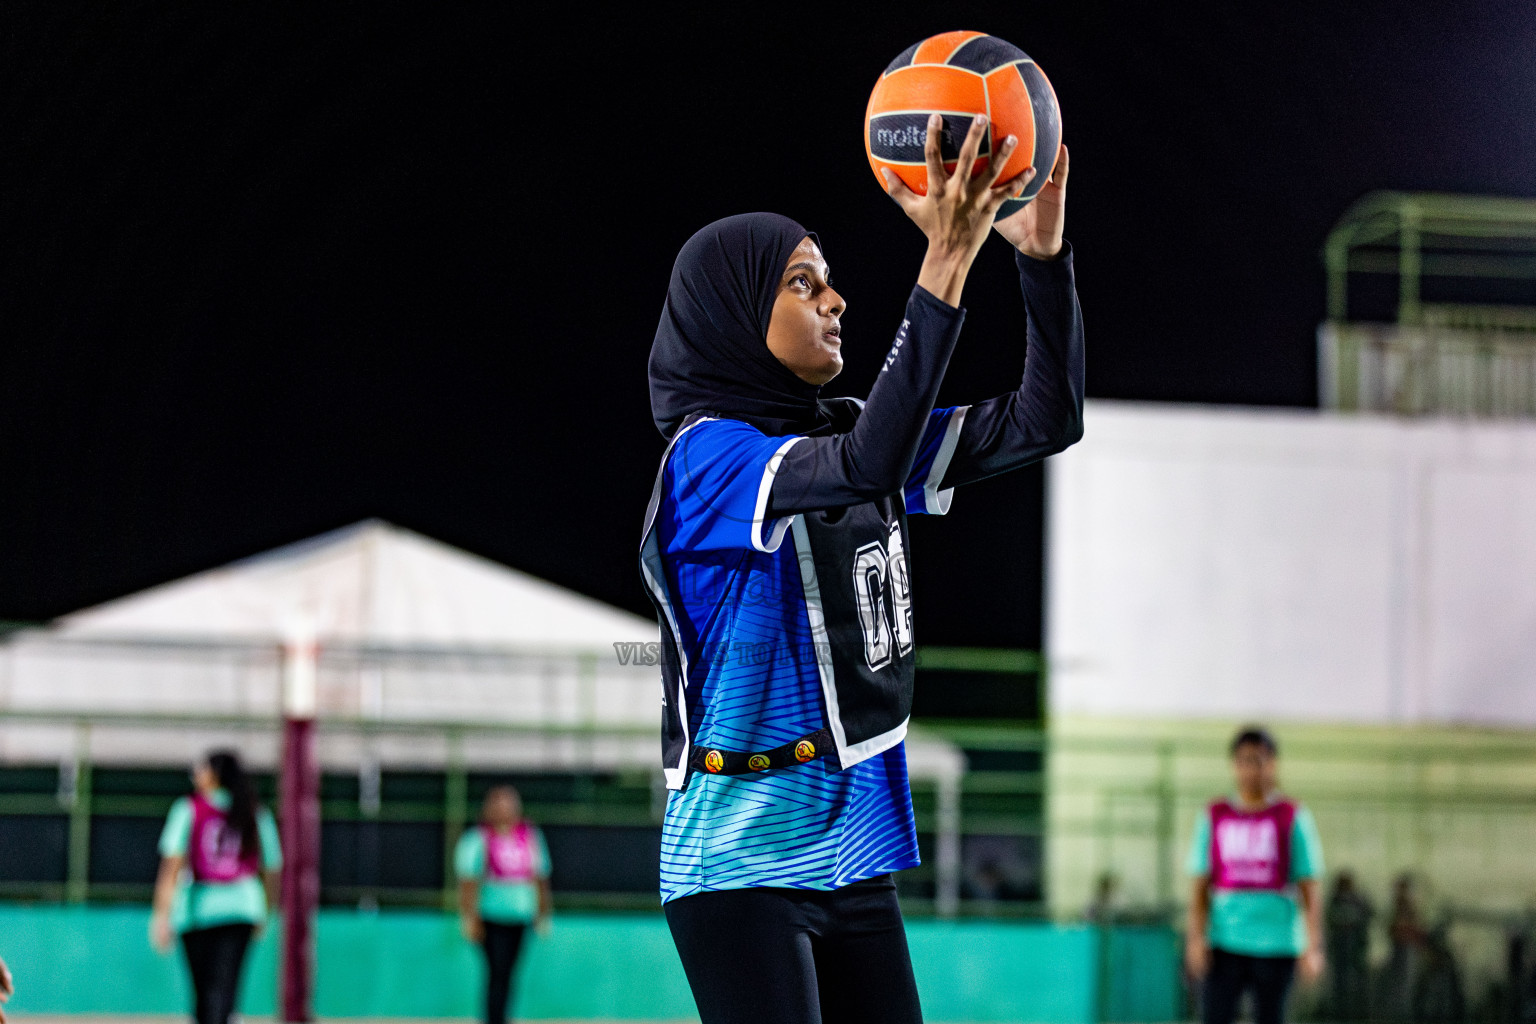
411,632
372,584
408,630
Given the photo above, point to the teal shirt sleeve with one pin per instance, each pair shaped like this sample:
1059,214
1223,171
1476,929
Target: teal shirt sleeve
1198,863
469,856
271,845
1306,847
177,834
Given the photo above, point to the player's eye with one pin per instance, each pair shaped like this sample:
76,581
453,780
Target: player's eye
800,279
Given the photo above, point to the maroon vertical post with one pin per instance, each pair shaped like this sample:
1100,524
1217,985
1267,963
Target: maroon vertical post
300,830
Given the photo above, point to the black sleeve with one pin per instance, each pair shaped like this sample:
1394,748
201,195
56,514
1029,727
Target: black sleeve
1045,415
874,458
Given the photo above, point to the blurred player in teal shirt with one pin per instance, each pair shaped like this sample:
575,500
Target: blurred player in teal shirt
1255,915
219,863
503,869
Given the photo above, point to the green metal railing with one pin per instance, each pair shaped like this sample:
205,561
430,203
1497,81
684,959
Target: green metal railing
1005,802
1127,801
1458,357
1413,235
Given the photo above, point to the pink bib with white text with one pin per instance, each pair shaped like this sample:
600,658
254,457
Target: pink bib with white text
1251,849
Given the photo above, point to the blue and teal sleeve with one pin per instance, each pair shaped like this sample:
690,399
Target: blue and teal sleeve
937,447
718,479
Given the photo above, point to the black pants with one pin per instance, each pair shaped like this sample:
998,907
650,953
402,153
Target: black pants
214,957
502,944
1268,977
790,956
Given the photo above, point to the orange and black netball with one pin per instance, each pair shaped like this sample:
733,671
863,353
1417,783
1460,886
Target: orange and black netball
959,75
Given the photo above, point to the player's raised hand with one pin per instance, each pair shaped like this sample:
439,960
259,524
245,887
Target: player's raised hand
958,208
1036,229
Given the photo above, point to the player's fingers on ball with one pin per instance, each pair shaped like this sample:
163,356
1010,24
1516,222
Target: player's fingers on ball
996,197
999,160
993,198
897,189
1016,185
932,157
1063,164
970,148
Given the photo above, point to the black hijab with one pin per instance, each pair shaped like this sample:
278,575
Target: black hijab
711,348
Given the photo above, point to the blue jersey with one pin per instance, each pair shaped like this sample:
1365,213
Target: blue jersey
781,632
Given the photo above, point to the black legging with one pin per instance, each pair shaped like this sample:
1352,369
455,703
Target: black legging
792,956
1269,977
502,944
214,957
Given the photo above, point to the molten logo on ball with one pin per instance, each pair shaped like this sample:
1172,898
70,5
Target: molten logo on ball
804,751
714,760
758,762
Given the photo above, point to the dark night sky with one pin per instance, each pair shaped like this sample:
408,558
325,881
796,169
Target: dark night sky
264,275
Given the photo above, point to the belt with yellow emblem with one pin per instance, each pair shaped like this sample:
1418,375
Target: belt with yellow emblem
714,761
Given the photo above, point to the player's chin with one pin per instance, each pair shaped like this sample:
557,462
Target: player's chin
830,366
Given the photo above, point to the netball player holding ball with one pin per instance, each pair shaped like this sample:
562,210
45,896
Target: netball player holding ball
775,551
1255,914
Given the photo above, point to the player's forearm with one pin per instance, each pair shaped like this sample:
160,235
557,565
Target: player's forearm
1197,921
944,271
469,898
1045,414
1050,397
874,459
165,884
1312,911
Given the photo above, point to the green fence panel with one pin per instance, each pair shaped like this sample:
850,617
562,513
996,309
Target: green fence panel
85,959
415,964
995,971
92,959
1141,975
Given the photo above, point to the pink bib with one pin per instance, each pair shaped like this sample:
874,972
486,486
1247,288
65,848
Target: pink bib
1251,849
214,852
509,856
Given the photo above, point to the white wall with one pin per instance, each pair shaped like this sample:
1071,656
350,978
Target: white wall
1241,563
